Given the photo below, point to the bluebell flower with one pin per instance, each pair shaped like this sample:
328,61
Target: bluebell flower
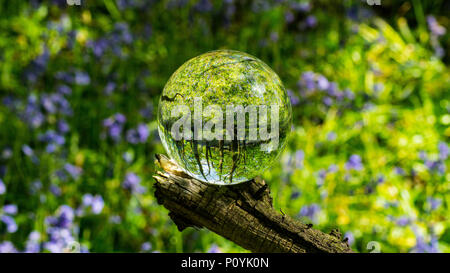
82,78
435,27
354,163
32,245
289,17
52,139
2,187
443,150
7,247
72,170
63,127
138,135
63,219
64,89
27,150
403,221
132,183
311,21
147,246
310,211
332,168
399,171
331,136
308,80
328,101
114,125
299,158
97,204
55,190
10,209
294,99
109,88
322,83
98,47
10,223
434,203
214,249
350,237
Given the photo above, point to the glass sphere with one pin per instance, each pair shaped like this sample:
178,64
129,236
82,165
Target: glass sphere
224,117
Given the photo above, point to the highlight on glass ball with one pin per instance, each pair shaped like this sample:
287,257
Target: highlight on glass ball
224,117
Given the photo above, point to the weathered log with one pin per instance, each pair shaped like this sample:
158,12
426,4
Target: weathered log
242,213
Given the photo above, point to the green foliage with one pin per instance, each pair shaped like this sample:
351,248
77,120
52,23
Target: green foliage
370,112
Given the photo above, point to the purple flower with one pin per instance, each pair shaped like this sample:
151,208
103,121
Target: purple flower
114,125
403,221
132,183
214,249
55,190
2,187
63,219
10,223
299,157
308,80
147,246
328,101
331,136
52,139
322,83
434,203
350,237
138,135
289,17
311,21
82,78
443,150
310,211
423,247
10,209
27,150
349,94
73,170
32,244
97,204
64,89
63,127
7,247
435,27
354,163
332,168
399,171
294,99
109,88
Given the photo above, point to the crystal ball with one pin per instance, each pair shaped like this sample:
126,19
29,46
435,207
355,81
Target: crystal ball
224,117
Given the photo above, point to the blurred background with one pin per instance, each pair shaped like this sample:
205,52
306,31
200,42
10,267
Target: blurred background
79,85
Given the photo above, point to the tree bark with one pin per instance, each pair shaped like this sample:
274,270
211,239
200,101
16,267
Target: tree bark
242,213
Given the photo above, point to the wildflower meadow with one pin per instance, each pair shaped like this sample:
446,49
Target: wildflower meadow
79,89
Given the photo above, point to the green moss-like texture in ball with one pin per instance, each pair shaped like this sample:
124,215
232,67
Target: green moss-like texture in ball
225,79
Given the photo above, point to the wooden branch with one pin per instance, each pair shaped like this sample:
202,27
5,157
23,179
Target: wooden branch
242,213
